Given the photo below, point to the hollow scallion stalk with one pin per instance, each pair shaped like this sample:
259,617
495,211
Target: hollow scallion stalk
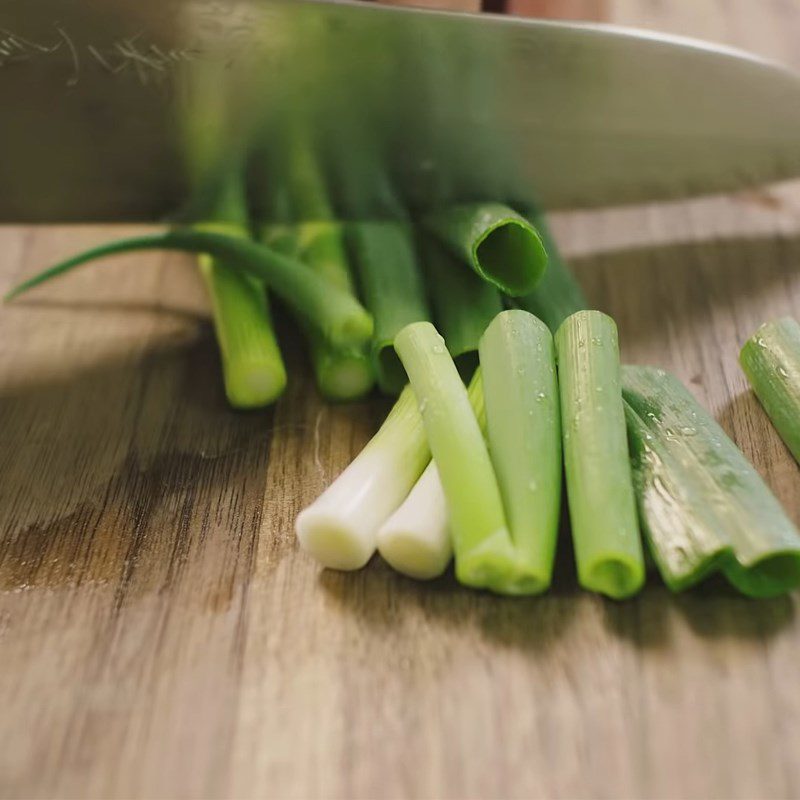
393,291
558,294
335,313
605,530
416,539
702,504
342,373
340,527
496,241
522,407
252,365
484,554
771,361
463,303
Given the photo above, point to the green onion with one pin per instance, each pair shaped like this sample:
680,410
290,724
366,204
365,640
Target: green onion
416,540
335,313
771,361
393,291
558,294
252,366
342,373
484,553
605,531
702,503
463,303
522,407
340,528
499,244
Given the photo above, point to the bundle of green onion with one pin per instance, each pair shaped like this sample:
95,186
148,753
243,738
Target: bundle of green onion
474,472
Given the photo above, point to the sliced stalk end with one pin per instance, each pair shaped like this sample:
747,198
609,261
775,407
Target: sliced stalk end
253,384
405,552
330,541
344,375
772,576
615,577
510,254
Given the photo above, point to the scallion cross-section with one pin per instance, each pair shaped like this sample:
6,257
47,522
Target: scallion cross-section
496,241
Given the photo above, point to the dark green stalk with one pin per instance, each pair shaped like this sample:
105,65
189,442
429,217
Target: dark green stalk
393,291
463,303
558,294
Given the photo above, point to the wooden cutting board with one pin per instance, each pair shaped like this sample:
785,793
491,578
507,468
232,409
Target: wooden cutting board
161,635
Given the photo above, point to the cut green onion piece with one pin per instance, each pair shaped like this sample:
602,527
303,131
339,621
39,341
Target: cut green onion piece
415,540
252,366
605,531
393,291
499,244
771,361
337,314
702,503
558,294
522,408
484,553
340,528
463,303
342,373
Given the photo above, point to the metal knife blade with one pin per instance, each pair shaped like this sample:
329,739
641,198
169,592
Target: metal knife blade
400,108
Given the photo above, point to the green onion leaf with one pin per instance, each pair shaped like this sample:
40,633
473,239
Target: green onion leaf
702,504
393,291
497,242
605,531
335,313
522,408
771,361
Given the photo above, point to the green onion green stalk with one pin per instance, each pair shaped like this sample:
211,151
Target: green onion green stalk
463,303
771,361
702,504
416,539
558,294
520,391
484,554
605,530
393,291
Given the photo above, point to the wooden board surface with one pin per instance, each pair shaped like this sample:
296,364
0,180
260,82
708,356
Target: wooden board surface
161,636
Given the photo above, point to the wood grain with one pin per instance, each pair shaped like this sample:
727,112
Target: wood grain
161,636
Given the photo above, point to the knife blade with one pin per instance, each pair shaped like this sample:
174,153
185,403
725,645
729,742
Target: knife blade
403,109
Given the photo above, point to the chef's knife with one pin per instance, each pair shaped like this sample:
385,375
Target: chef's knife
404,108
